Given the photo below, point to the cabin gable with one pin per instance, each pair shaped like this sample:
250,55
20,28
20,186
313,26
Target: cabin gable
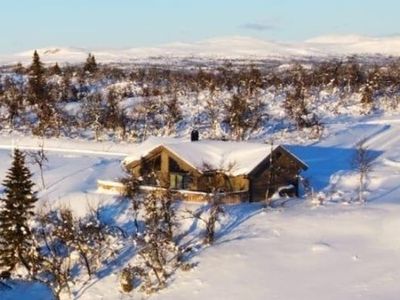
169,170
277,170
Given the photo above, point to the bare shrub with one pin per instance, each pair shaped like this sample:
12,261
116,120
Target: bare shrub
362,162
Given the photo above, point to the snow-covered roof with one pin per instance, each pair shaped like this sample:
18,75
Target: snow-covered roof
236,158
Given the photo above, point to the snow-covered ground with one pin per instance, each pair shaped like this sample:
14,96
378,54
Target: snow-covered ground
24,290
340,250
298,253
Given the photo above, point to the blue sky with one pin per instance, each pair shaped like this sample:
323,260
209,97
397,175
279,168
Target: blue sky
27,24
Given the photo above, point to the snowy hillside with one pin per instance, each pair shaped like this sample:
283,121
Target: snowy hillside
338,250
236,47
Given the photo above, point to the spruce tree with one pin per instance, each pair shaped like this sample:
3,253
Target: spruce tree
16,210
40,97
55,70
90,65
37,66
37,82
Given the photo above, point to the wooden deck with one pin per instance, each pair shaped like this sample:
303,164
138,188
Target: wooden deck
117,188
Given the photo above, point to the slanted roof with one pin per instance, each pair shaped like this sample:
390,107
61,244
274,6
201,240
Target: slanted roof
235,158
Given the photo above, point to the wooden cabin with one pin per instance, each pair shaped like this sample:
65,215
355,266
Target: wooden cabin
196,169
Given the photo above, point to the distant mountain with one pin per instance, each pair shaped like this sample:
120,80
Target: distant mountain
355,44
235,47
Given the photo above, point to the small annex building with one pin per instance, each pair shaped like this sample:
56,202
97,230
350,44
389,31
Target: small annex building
237,171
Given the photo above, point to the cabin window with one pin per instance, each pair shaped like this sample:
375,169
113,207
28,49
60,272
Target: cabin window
174,166
178,181
150,165
157,163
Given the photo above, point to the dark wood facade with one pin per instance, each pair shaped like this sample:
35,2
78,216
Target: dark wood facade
279,170
163,168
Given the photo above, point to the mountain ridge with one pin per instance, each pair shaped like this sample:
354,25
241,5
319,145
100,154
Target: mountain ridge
230,47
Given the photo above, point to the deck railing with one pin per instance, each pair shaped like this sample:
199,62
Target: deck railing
185,195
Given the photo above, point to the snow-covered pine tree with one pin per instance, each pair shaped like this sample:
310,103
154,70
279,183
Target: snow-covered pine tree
16,210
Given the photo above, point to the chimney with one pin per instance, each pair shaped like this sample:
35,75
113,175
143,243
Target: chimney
194,135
